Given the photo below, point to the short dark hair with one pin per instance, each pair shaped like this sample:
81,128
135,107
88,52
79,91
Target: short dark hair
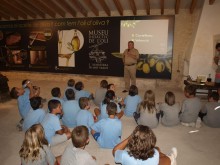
14,93
214,95
80,135
217,46
35,102
109,86
83,102
110,94
142,143
55,92
53,104
133,90
111,108
70,94
170,98
71,83
79,85
104,83
190,89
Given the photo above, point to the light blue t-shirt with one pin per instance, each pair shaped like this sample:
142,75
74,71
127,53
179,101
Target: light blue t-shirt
64,95
122,156
33,117
51,124
104,113
110,132
70,111
24,105
85,117
81,93
131,103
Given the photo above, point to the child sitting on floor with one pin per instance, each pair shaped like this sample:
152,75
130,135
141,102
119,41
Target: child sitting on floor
107,132
54,132
131,101
84,116
75,153
70,85
190,108
35,115
35,149
141,149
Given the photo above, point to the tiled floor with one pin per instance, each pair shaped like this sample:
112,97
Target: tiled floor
201,147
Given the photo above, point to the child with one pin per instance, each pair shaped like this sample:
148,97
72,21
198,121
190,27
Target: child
211,112
75,153
36,89
56,94
170,110
35,115
109,97
34,149
148,112
141,149
70,109
100,93
23,101
131,101
190,107
80,92
54,132
111,87
107,132
84,116
70,85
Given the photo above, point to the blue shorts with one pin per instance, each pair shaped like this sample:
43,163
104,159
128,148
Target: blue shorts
96,135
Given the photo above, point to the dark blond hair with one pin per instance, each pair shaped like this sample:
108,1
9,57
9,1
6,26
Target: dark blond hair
80,136
141,143
148,102
34,140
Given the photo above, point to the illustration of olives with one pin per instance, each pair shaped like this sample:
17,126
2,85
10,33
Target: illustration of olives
139,65
160,66
152,61
168,65
146,68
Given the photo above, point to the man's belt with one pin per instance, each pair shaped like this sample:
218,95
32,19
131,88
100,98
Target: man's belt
130,64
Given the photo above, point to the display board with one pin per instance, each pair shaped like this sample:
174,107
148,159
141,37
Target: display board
91,46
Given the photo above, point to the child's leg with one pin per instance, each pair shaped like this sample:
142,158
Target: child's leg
136,116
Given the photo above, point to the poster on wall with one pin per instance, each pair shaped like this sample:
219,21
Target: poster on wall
91,46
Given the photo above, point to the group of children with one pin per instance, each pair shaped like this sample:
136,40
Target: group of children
74,111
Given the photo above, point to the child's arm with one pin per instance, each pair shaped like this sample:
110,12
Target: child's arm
120,146
29,85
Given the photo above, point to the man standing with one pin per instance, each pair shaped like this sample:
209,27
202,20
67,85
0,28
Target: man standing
130,57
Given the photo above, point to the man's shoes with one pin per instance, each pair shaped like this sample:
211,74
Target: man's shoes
124,91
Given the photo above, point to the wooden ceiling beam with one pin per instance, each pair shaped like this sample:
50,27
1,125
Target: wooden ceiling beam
119,7
193,6
29,5
177,6
91,5
211,2
80,7
147,6
162,7
43,8
8,11
105,7
24,8
133,7
53,6
67,7
14,9
3,15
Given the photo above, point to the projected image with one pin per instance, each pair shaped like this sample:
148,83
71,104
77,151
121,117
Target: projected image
149,36
38,57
